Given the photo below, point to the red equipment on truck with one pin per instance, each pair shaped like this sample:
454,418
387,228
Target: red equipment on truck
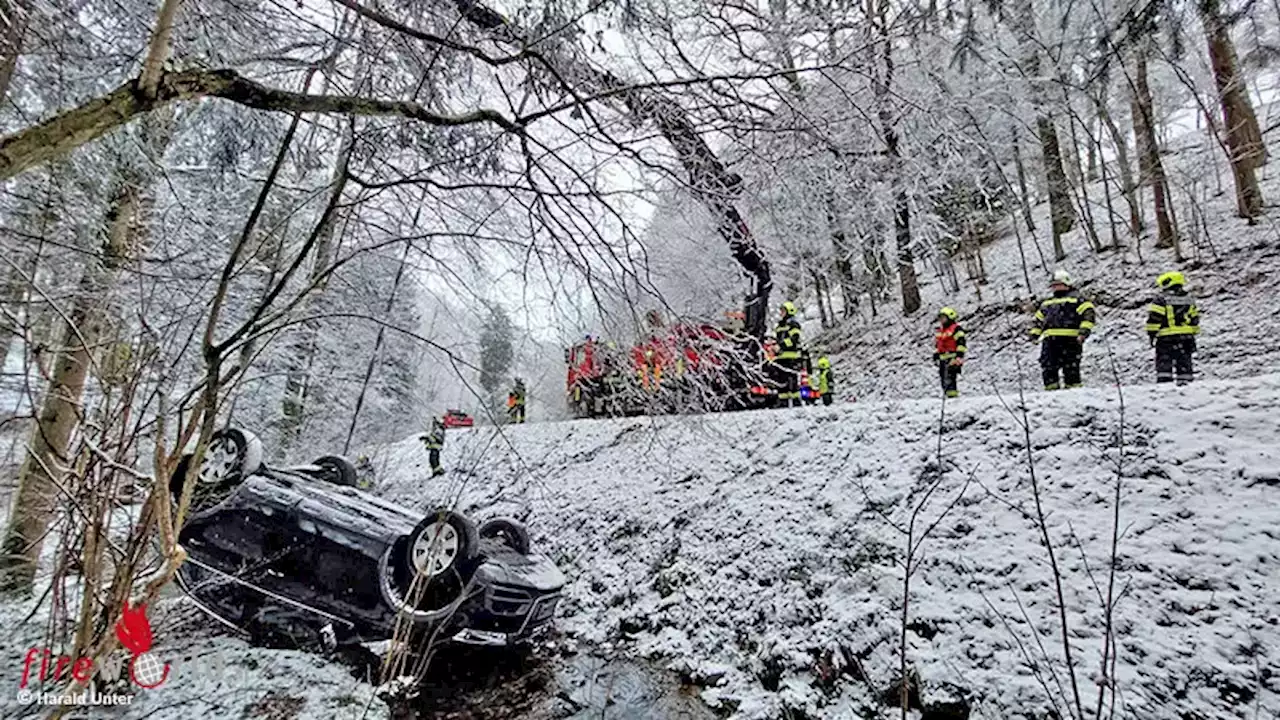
687,367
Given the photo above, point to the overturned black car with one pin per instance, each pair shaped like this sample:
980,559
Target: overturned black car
299,555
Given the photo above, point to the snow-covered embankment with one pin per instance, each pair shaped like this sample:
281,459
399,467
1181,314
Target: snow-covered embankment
757,553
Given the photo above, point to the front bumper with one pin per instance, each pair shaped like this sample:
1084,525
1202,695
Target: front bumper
506,615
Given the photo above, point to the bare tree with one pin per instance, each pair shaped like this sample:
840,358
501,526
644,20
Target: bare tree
1246,151
41,478
1150,167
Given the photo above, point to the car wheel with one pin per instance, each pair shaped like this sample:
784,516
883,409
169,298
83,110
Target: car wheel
443,540
337,470
511,532
232,455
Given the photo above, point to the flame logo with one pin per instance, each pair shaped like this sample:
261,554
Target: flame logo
134,629
134,632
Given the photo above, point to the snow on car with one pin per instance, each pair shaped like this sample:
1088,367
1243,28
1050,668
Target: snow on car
300,553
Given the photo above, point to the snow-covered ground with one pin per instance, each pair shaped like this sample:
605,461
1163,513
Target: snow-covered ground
1236,282
211,675
753,550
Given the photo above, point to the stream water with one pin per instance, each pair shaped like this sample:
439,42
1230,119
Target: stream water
495,686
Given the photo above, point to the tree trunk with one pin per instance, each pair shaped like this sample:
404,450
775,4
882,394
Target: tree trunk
906,259
1091,173
382,330
303,350
47,459
1151,168
1086,209
883,89
1244,139
1060,210
1022,184
843,253
14,15
1111,208
817,292
1128,186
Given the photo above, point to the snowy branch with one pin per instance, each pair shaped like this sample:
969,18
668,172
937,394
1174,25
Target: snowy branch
63,133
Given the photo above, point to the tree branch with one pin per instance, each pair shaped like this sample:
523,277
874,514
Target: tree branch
63,133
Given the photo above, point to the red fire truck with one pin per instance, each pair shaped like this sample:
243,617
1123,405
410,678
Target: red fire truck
682,368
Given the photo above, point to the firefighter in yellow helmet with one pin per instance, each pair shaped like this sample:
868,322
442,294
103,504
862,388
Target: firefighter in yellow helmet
949,349
825,381
1062,325
1173,321
516,402
790,358
433,439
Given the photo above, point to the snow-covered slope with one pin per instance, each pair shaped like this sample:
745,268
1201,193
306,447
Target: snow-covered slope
755,551
211,675
1233,270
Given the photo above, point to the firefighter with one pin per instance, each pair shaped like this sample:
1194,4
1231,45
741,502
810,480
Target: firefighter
1173,321
826,381
1062,325
516,401
434,440
790,358
364,472
948,350
612,381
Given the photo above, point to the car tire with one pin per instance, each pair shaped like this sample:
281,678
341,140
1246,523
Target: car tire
232,456
337,470
444,541
431,599
513,533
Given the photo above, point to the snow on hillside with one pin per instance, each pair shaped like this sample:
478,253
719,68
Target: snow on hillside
754,551
889,356
211,675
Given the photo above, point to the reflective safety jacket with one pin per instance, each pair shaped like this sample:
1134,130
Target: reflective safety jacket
515,398
1173,314
949,342
1066,314
787,333
434,438
825,380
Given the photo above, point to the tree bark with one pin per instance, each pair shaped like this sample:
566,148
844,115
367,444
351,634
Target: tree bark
817,291
1150,167
1060,210
1024,196
1128,186
42,473
14,15
158,49
883,90
303,350
1244,139
62,133
843,252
